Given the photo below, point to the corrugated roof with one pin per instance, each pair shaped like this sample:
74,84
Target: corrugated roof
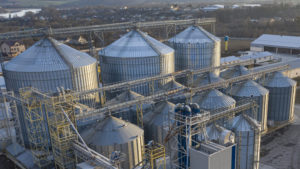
216,100
279,80
43,57
170,85
111,131
74,57
123,97
213,132
256,55
277,41
194,34
207,78
234,72
135,44
229,59
160,113
244,123
251,88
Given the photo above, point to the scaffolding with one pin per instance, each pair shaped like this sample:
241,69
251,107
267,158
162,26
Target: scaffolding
61,132
153,152
98,113
187,126
52,116
9,123
36,125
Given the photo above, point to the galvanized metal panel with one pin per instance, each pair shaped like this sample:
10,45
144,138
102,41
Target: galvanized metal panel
135,56
47,65
156,125
128,114
252,90
205,79
211,156
214,100
195,48
247,141
44,67
133,45
234,72
114,134
281,98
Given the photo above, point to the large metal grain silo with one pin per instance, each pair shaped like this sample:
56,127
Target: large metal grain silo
247,138
252,90
47,65
157,121
195,48
214,101
205,79
234,72
130,113
219,134
113,134
281,97
172,85
134,56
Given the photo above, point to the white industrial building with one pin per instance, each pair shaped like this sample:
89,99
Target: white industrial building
258,57
277,44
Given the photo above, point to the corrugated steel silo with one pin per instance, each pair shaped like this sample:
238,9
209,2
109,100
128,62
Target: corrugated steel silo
214,100
156,125
219,134
247,138
113,134
129,113
205,79
156,121
47,65
195,48
252,90
281,97
134,56
234,72
172,85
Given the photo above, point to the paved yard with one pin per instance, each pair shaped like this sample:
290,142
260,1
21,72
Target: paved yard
281,149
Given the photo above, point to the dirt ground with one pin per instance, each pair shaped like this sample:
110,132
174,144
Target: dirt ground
281,149
5,163
234,46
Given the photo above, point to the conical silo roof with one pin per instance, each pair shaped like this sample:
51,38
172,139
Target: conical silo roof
169,86
207,78
234,72
135,44
244,123
216,100
111,131
251,88
279,80
160,113
123,97
213,132
194,34
48,55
